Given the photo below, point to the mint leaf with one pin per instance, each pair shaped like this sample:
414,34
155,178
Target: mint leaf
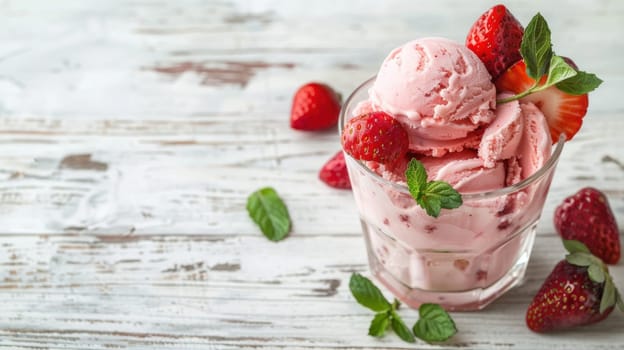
432,206
435,324
399,327
416,177
438,194
379,324
559,71
268,210
367,294
580,84
608,295
536,48
433,195
574,246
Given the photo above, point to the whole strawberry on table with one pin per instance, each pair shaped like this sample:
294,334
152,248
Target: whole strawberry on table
580,291
587,217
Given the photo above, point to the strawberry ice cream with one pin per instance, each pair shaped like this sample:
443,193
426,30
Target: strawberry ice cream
497,157
439,91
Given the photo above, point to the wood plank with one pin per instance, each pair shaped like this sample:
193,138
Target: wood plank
148,179
237,291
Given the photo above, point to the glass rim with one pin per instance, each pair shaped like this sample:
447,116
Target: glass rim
536,176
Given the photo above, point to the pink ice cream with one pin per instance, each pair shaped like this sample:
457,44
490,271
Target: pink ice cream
443,96
439,90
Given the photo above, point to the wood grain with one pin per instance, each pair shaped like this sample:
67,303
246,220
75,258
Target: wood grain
132,132
166,291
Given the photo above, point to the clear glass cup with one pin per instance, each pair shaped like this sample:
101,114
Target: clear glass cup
465,258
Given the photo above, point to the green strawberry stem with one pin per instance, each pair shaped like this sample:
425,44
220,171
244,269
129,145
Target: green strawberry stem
597,271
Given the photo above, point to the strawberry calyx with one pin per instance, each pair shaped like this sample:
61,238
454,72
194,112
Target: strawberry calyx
597,271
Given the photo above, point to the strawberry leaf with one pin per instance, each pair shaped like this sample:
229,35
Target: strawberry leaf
559,71
579,259
580,84
536,48
608,295
620,302
379,324
596,273
367,294
268,210
399,327
573,246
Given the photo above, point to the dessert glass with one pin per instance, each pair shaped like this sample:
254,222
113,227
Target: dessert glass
466,257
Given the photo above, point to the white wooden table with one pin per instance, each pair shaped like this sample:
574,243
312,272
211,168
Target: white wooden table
131,133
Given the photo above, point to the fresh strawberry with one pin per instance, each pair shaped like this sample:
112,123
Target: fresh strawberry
496,37
334,172
564,112
375,136
315,107
587,217
568,298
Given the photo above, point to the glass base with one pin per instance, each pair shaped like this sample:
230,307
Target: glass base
458,281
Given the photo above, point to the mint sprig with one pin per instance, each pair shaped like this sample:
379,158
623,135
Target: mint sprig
579,84
558,72
367,294
434,324
536,48
379,324
597,271
269,212
399,327
433,195
540,60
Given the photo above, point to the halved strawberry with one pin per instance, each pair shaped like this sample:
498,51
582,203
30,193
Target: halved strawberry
496,37
564,112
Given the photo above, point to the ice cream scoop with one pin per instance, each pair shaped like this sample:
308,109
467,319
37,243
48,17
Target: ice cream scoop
437,88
